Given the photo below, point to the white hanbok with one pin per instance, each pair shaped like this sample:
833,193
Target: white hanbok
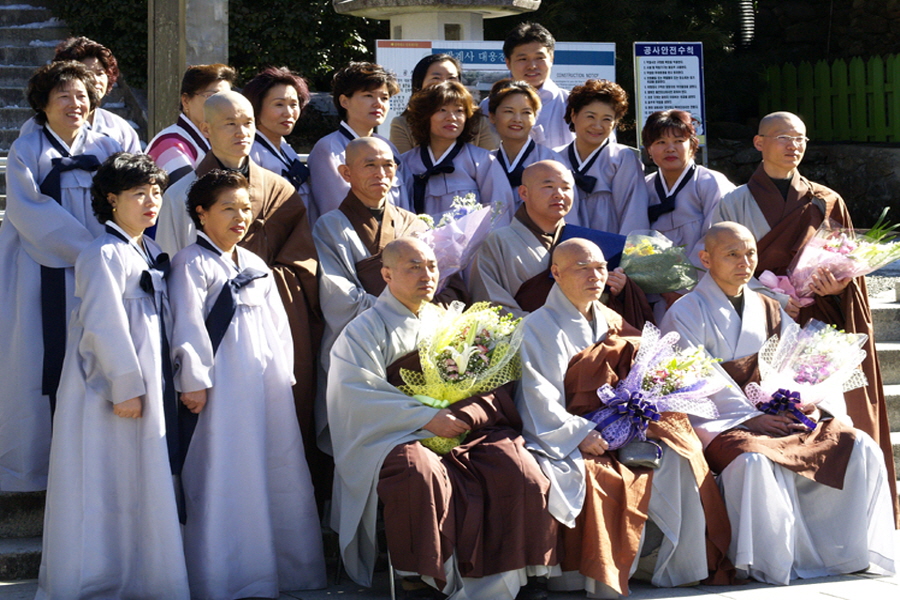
36,231
328,187
783,525
619,200
552,335
550,128
278,160
106,122
475,172
111,524
252,527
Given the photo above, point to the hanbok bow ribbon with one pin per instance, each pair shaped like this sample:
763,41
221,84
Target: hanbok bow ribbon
53,280
667,202
420,180
222,311
625,415
152,279
297,173
585,183
786,401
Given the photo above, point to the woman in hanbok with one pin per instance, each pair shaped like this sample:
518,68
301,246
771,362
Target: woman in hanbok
101,62
514,107
181,146
430,70
251,526
361,92
609,176
48,223
444,165
683,194
278,96
111,523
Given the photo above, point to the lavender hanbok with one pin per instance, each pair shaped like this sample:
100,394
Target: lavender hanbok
285,162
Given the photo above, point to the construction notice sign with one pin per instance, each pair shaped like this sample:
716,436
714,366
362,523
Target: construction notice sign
483,64
670,75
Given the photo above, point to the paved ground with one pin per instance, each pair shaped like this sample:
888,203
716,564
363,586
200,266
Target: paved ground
846,587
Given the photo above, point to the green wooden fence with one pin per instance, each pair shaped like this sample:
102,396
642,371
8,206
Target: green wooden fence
857,101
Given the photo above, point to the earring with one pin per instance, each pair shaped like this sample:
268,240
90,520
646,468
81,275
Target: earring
114,209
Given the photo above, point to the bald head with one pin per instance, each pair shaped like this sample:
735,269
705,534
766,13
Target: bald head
726,231
775,120
410,271
365,145
396,250
548,192
224,103
369,168
545,170
579,268
729,255
576,249
230,126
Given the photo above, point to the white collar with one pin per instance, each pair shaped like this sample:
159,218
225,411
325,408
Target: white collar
511,164
77,144
350,129
224,254
435,161
588,158
131,241
662,179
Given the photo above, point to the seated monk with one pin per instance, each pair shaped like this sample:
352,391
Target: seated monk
571,347
801,503
469,522
512,267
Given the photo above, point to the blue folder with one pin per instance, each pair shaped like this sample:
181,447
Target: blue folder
611,244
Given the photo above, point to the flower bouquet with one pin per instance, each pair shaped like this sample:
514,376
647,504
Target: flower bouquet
663,378
844,253
458,234
805,366
656,264
470,353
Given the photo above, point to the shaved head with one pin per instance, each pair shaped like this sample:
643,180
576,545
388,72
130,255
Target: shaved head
411,272
579,268
724,232
545,170
776,119
359,146
729,256
574,250
394,252
224,103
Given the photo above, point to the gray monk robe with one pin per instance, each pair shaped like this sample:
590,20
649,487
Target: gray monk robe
512,269
782,227
480,510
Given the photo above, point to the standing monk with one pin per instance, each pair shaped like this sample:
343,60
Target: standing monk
279,234
783,210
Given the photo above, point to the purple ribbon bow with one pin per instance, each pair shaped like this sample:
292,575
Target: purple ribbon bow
786,401
624,404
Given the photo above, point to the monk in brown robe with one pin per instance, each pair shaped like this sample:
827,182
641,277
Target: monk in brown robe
782,209
512,267
470,521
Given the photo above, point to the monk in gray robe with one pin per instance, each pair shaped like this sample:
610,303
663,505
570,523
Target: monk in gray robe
469,522
801,503
512,267
570,347
782,209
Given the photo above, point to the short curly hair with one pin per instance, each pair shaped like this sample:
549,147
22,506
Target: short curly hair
507,87
358,76
47,78
80,48
678,121
596,90
427,101
256,89
205,191
123,171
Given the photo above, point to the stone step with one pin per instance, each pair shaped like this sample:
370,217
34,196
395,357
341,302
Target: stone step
21,514
16,75
20,558
885,320
892,399
13,117
7,137
895,445
889,357
9,15
12,96
21,35
36,54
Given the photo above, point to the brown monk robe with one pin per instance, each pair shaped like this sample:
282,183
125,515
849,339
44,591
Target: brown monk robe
794,221
631,302
821,454
605,540
375,234
486,500
279,234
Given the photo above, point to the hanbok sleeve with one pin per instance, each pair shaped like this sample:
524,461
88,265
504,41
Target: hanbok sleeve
629,192
106,346
53,236
328,187
280,321
192,352
130,141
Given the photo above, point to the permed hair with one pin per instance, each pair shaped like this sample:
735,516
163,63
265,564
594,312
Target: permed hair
47,78
428,101
421,68
205,191
596,90
257,88
123,171
507,87
80,48
527,33
359,76
680,122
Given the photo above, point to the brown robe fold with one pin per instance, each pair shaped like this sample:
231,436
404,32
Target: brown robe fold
793,222
486,499
607,533
631,303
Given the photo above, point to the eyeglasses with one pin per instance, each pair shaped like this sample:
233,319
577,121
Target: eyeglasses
207,95
800,140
